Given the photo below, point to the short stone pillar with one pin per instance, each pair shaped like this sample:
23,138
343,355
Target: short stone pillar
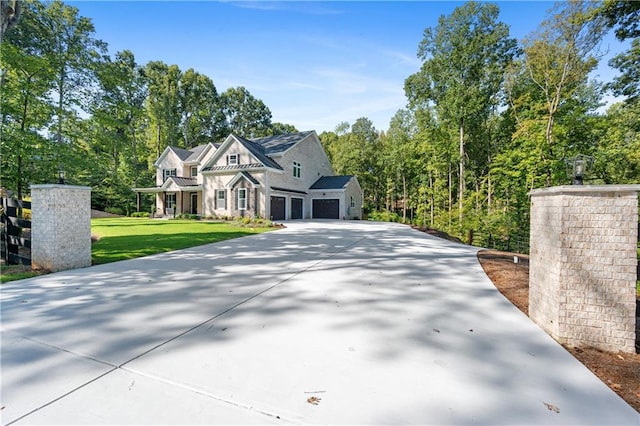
583,264
60,227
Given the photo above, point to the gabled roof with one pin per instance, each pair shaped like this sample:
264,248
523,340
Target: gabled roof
332,182
196,152
280,143
192,155
245,175
259,152
182,154
256,150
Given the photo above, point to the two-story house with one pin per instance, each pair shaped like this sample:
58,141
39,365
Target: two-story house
278,177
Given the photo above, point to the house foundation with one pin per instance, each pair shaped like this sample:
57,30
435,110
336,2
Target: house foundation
583,264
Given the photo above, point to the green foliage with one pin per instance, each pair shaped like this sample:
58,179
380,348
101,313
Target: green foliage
140,214
115,210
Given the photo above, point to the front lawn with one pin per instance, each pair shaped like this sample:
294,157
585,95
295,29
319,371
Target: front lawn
128,238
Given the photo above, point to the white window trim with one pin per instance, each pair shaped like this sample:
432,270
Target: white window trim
244,199
166,173
166,200
194,168
297,167
221,203
236,159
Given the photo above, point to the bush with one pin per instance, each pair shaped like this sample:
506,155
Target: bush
115,210
384,216
139,214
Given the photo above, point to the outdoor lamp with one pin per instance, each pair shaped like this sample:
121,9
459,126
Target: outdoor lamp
580,163
61,174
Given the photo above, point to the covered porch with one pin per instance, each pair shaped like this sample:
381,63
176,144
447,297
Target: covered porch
174,197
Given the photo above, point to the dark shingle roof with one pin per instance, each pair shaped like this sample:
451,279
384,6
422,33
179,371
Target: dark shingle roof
182,154
195,152
331,182
259,152
280,143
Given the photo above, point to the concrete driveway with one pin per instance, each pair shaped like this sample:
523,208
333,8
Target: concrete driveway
321,322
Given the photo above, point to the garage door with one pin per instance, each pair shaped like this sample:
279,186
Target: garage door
277,208
326,209
296,208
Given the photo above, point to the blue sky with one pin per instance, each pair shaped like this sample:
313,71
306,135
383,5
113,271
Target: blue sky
314,64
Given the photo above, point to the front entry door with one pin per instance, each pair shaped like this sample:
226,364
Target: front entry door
194,203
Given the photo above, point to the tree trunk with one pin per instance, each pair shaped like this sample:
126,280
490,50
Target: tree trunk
462,183
404,198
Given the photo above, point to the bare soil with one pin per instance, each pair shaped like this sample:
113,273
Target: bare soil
619,371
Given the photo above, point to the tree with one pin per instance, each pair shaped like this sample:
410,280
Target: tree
73,54
10,11
624,16
163,106
202,119
464,58
245,115
557,60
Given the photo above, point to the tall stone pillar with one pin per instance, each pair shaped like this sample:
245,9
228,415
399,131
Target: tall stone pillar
583,264
60,227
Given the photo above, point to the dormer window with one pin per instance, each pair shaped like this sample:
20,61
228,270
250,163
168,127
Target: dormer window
233,159
168,172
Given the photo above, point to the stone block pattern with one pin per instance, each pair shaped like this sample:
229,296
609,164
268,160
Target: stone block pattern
61,227
583,267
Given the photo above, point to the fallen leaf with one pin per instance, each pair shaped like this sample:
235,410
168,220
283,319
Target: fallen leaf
620,356
314,400
551,407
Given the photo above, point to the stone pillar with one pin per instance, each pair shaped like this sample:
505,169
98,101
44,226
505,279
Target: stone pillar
60,227
582,278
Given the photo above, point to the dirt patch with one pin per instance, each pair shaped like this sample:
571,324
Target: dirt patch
619,371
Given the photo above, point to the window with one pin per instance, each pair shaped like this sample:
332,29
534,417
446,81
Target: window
194,171
353,202
169,201
168,172
221,194
233,159
297,169
242,198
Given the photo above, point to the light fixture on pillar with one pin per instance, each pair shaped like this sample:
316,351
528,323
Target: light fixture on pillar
579,165
61,175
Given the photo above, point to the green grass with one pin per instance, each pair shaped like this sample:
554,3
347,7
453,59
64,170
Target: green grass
128,238
13,273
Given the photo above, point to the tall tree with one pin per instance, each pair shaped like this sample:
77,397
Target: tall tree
245,114
202,118
558,59
463,61
26,79
624,16
163,106
73,55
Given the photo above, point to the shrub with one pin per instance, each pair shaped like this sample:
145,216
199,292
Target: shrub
139,214
115,210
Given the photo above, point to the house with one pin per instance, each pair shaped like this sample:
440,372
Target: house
279,177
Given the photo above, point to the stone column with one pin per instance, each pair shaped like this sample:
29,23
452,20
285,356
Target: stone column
60,227
583,264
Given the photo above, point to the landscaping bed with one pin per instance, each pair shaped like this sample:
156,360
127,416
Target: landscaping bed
619,371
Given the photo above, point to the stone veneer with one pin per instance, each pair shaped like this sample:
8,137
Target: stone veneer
582,282
60,227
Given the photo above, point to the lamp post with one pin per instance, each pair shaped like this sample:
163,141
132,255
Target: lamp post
61,175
